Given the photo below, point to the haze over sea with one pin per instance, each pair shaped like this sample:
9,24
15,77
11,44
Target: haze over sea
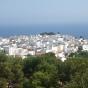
75,30
36,16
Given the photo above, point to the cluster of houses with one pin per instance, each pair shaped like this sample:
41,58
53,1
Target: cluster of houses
60,45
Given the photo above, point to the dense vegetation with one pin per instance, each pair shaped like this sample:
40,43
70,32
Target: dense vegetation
48,33
45,71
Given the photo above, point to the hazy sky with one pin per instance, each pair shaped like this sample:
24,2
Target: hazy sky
25,12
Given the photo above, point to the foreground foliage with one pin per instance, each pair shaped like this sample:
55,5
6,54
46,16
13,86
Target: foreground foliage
45,71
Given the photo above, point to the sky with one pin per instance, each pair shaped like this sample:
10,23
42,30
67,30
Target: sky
27,12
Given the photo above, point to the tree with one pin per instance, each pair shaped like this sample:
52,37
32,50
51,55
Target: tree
3,83
42,71
30,66
17,73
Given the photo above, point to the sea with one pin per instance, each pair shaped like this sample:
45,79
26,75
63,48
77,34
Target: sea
74,30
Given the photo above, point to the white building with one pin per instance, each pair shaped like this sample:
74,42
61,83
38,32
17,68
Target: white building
85,47
31,52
